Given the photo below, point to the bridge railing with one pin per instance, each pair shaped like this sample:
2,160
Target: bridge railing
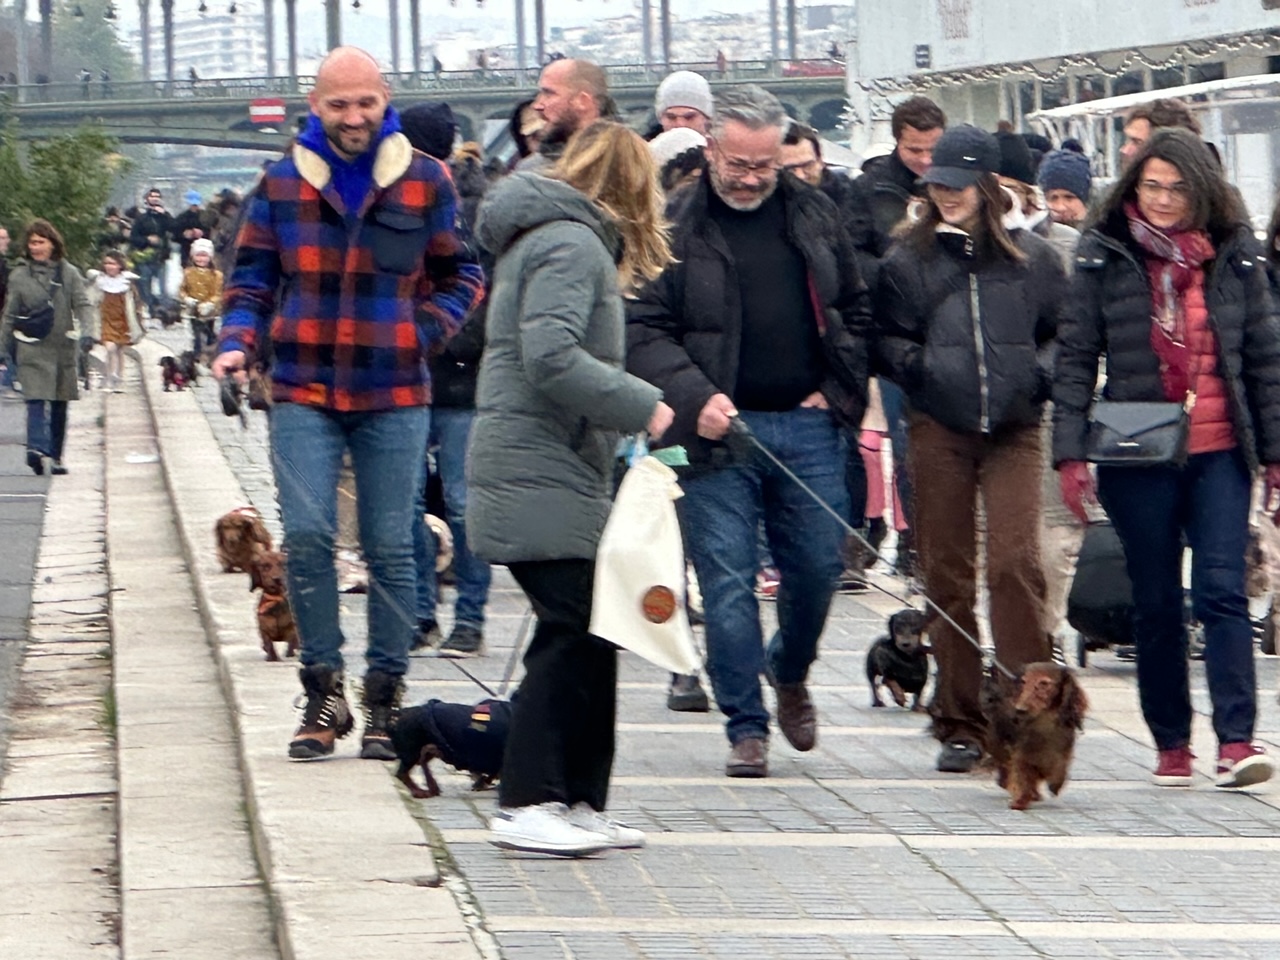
462,81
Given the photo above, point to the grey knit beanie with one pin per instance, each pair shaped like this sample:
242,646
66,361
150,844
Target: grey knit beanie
1066,170
684,88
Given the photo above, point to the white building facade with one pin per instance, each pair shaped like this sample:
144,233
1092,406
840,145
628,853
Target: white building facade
990,60
217,43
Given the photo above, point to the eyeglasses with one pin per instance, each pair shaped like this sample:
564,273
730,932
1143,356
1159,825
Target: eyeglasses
1154,189
741,168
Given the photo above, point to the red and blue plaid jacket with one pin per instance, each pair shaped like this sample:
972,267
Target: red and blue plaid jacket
353,305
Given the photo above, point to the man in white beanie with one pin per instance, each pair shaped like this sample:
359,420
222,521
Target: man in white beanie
684,100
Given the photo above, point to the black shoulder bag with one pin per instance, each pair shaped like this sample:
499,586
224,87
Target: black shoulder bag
38,324
1141,434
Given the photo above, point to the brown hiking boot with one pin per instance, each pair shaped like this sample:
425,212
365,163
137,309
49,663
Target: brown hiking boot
326,717
382,695
748,758
796,717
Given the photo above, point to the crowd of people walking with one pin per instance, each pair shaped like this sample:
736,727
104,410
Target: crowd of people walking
477,337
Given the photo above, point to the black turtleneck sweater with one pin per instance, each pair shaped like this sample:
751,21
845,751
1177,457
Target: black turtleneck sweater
780,357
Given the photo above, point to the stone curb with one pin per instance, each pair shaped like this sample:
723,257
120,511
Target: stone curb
347,867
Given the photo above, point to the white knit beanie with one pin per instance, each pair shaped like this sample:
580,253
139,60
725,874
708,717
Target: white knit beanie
202,245
684,88
669,144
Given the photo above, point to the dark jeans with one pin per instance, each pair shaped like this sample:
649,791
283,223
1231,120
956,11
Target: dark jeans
1151,508
388,450
47,428
721,512
562,726
202,334
450,430
151,275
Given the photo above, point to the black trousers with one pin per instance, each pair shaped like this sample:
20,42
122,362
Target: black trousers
562,727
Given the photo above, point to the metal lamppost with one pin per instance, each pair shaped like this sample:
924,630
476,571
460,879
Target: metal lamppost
20,40
664,14
332,23
415,41
791,29
393,11
521,63
166,10
540,32
269,22
46,38
291,29
144,28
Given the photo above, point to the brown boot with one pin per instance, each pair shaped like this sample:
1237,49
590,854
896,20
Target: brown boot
796,716
382,695
326,717
748,758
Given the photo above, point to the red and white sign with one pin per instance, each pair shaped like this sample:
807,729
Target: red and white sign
266,110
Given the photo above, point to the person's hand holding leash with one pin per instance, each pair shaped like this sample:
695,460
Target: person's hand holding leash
1077,487
713,421
232,362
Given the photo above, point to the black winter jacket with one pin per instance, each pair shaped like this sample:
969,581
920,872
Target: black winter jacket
855,216
885,188
1109,314
455,368
935,309
684,329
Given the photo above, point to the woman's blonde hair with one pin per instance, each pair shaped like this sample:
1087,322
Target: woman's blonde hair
613,167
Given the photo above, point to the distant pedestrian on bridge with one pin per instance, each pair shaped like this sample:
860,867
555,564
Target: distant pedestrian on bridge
350,267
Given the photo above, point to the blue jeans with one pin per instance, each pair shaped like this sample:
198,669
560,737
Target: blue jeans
47,431
1151,507
388,448
450,429
150,275
721,512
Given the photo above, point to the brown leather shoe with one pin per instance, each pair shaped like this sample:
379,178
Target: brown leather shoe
748,758
796,716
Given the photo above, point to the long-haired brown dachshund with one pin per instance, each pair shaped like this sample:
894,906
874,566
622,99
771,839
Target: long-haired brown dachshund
1032,728
241,536
275,616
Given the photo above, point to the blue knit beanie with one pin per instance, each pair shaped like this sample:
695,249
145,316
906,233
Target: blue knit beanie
1065,170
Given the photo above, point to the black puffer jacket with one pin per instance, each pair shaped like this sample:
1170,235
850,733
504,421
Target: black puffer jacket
885,189
855,217
1109,314
934,308
684,330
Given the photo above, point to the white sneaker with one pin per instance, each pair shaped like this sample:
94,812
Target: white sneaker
618,834
544,828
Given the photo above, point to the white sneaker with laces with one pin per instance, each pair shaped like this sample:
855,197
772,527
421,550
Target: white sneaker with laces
618,834
544,828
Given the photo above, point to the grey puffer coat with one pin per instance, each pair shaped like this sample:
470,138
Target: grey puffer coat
552,397
46,368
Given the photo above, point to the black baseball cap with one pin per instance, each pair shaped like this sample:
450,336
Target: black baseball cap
963,154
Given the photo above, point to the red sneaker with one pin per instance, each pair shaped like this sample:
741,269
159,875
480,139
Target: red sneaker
1243,765
1174,768
767,583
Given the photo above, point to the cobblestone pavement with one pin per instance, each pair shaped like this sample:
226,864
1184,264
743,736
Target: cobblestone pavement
858,849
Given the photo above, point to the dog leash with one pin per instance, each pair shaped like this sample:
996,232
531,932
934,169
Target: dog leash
739,428
516,649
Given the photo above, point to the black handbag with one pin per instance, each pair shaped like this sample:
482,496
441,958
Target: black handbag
1138,434
38,324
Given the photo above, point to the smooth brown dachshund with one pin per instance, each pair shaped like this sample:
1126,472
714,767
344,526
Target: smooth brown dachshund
275,616
241,536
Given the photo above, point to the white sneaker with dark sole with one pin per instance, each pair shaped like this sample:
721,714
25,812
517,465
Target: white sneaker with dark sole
618,834
544,828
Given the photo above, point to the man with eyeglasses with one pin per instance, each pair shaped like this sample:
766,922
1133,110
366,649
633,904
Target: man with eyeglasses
762,317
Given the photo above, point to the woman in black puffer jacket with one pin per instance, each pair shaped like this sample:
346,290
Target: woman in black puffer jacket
966,314
1171,287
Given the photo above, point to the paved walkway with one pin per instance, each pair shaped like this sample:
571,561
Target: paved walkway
857,849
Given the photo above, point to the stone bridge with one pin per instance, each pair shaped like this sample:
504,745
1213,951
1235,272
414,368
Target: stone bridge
216,112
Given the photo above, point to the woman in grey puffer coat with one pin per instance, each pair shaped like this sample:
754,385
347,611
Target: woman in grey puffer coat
551,401
46,366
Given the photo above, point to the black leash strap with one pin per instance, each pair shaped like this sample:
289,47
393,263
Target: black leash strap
740,428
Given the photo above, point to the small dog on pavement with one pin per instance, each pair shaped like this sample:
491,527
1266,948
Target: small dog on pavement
900,660
275,616
172,373
1031,729
187,368
241,536
469,737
